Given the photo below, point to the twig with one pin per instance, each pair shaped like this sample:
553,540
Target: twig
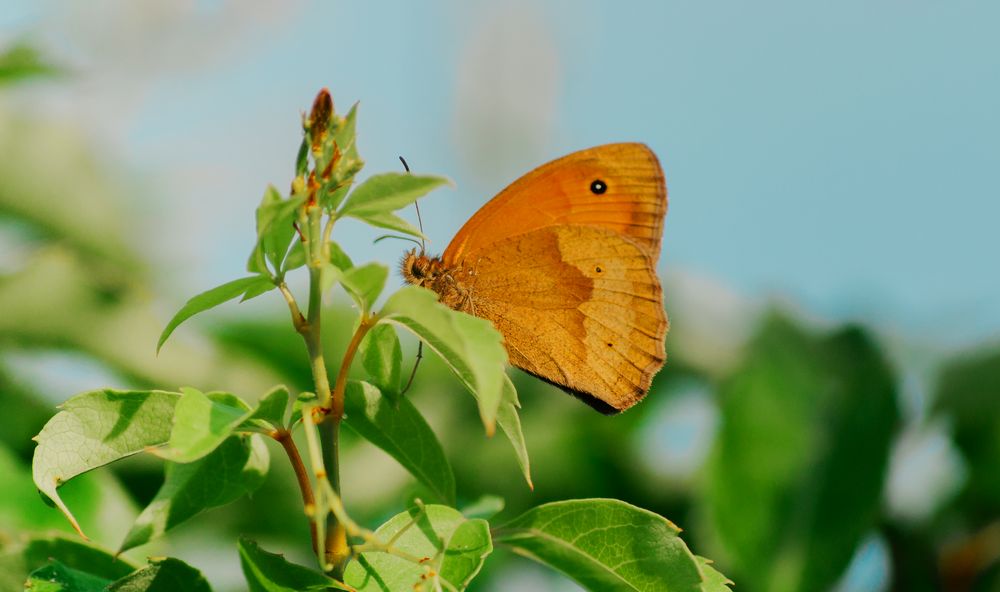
284,437
337,401
299,321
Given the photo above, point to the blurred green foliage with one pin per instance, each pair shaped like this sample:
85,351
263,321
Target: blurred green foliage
23,61
807,421
800,458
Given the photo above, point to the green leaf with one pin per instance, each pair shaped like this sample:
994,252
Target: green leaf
383,358
234,469
269,572
271,408
162,575
275,229
330,275
456,548
471,347
23,61
76,554
202,422
263,286
606,545
915,556
339,258
211,299
335,195
56,577
466,552
296,257
99,502
18,559
968,397
388,192
301,400
400,430
95,428
797,473
345,136
365,283
270,236
713,581
347,167
486,507
392,222
510,424
302,158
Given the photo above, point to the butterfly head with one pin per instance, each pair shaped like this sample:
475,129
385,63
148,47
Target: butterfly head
420,270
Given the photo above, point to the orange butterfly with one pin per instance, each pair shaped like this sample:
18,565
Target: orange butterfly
563,262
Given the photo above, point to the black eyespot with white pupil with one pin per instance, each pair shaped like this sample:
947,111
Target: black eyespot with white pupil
598,187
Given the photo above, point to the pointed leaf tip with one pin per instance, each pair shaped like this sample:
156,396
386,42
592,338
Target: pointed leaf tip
210,299
76,440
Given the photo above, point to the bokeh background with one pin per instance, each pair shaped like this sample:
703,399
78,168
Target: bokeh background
827,164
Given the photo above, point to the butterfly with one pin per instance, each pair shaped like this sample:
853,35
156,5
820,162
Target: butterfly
563,263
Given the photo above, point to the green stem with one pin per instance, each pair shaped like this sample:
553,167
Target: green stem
336,549
319,473
326,233
314,318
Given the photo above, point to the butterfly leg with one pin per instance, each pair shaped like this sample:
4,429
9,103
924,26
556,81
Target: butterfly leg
465,302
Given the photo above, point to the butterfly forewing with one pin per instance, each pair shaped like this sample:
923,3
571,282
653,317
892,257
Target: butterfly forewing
618,187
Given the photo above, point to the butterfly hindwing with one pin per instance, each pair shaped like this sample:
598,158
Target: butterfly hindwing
578,306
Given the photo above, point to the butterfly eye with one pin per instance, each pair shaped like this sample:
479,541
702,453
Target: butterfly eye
598,187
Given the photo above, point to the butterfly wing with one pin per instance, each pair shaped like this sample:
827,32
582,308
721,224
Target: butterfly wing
618,187
578,306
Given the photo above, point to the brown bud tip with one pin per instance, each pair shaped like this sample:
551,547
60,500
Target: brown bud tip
334,158
322,110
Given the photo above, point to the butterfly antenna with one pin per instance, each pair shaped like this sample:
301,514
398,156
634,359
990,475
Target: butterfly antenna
413,373
420,222
420,344
406,238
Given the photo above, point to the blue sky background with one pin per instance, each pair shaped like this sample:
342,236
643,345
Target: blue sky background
842,155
